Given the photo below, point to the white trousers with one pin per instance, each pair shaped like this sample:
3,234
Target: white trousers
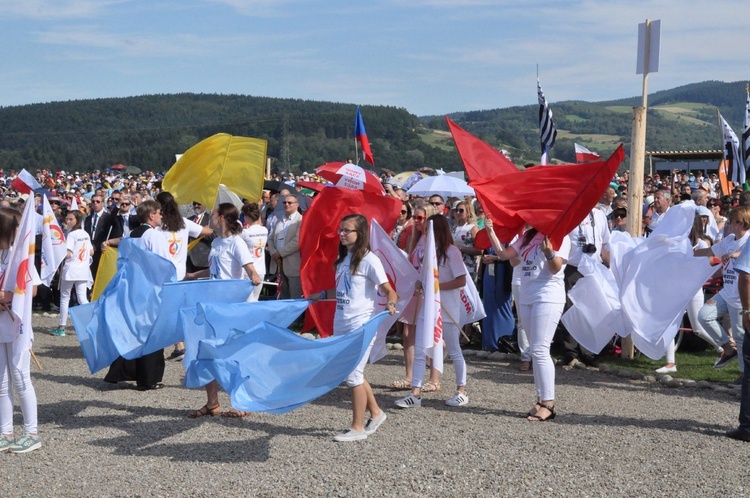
21,382
523,338
65,287
451,335
540,321
693,308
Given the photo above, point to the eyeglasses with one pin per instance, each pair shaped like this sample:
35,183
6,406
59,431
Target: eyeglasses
418,218
95,201
124,204
460,210
436,203
287,202
344,231
403,212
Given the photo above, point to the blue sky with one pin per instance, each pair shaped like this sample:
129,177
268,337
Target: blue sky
427,56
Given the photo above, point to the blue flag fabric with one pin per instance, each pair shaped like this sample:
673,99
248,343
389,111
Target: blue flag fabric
269,368
137,313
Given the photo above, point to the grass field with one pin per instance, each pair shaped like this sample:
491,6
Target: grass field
438,138
690,365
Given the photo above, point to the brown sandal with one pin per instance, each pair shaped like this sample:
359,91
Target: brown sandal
401,384
203,411
429,387
235,414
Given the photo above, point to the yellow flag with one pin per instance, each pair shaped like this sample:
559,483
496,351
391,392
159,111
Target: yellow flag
237,162
105,272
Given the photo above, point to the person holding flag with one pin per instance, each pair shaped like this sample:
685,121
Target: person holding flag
359,277
18,281
541,303
443,270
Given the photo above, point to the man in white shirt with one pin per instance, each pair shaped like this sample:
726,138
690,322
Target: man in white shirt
283,245
662,202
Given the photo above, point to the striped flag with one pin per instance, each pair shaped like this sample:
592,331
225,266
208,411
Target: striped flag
746,131
732,153
547,130
25,182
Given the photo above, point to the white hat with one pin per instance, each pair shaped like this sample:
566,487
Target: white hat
649,200
703,211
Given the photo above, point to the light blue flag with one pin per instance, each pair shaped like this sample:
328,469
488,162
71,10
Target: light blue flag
272,369
218,322
137,313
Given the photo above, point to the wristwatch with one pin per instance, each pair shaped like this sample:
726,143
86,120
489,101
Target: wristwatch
745,312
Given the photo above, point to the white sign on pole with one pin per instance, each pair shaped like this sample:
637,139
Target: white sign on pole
649,35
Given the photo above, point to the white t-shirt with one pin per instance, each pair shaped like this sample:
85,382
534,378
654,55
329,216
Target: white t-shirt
8,326
357,294
729,245
177,245
450,269
227,258
538,285
152,240
77,268
256,236
589,232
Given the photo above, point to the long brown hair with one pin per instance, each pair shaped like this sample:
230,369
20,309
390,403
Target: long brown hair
360,248
231,217
443,238
171,219
9,219
414,237
528,235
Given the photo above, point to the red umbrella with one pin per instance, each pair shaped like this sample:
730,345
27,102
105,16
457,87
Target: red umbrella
350,176
316,186
118,167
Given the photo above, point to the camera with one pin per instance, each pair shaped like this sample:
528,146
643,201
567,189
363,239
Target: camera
588,248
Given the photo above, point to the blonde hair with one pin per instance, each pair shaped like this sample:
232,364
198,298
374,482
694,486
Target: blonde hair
471,216
415,235
740,215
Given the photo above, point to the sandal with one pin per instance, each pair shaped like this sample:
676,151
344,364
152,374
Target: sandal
537,418
401,384
429,387
532,412
203,411
525,366
235,414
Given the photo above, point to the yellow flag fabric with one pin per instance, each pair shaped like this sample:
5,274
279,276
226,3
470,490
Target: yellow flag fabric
105,272
237,162
194,243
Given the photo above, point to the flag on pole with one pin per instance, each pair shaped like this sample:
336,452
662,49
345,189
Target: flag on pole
732,153
430,323
74,204
547,130
19,278
53,243
746,131
360,135
25,182
583,155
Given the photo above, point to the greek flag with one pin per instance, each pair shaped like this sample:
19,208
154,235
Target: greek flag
547,130
732,153
746,131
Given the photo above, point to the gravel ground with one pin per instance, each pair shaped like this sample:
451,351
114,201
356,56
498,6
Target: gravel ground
613,436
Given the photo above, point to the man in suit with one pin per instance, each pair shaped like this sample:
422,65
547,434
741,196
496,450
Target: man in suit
283,244
97,226
198,255
120,223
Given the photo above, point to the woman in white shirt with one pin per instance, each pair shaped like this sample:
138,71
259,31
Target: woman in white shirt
540,305
76,270
229,259
255,236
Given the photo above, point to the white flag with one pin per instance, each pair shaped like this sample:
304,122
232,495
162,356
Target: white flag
401,275
430,322
472,308
746,132
74,204
53,243
732,153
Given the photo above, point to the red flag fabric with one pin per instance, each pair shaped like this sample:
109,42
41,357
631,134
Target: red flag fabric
25,182
583,155
319,316
553,200
318,239
480,158
361,135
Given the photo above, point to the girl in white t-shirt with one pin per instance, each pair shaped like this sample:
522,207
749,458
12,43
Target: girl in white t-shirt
229,259
452,275
15,356
540,305
359,277
76,270
255,236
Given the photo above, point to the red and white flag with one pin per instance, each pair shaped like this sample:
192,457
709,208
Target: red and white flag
54,249
401,275
25,182
583,155
472,308
19,278
430,322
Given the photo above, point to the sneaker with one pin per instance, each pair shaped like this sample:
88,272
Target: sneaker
664,370
177,355
26,444
458,399
58,332
725,359
737,383
372,424
351,436
6,443
410,401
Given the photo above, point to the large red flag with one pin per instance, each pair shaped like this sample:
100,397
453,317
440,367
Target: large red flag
480,158
552,199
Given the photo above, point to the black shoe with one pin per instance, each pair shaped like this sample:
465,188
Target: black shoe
568,358
589,361
150,388
739,434
177,355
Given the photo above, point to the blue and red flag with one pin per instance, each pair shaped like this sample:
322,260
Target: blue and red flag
360,135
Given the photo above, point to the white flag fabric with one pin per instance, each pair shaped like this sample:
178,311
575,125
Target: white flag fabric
401,275
583,155
547,130
74,204
19,278
53,243
746,133
430,322
732,153
25,182
472,308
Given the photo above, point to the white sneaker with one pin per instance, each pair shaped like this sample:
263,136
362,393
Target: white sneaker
458,399
664,370
372,425
351,436
410,401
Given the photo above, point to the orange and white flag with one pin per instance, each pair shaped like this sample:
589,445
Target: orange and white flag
53,243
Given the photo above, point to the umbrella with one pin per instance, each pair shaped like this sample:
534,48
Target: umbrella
276,185
225,195
316,186
407,179
443,185
133,170
350,176
118,167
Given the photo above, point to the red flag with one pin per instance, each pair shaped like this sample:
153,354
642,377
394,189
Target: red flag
481,160
553,200
319,316
25,182
583,155
318,239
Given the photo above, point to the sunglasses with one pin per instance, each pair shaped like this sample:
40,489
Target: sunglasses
96,202
436,203
124,204
460,210
287,202
403,212
418,218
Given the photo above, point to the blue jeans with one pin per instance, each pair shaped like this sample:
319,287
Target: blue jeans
710,317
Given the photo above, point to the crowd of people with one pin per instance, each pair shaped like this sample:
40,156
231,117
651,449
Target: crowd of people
524,284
